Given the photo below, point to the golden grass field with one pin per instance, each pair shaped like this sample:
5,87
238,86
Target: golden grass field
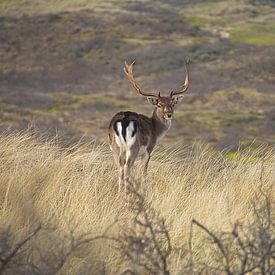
73,191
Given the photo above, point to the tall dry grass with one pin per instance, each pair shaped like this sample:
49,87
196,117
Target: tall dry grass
73,191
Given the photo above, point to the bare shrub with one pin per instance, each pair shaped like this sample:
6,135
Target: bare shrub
10,255
145,244
47,253
248,248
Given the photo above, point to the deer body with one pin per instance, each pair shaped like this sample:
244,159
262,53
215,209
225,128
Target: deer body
132,134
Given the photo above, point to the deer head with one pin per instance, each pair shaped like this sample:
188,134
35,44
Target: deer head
164,104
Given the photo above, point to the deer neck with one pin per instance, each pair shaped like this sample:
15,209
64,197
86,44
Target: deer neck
160,125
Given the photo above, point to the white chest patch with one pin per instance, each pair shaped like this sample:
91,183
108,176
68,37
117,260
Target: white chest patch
159,138
168,123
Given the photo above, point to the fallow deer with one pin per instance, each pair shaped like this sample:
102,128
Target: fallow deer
132,134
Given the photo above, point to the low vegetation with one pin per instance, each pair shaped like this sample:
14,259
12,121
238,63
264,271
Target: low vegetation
60,205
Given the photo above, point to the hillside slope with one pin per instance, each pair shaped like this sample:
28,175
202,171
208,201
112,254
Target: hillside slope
61,65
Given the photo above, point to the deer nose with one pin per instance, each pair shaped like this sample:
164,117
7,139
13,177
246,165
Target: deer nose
169,115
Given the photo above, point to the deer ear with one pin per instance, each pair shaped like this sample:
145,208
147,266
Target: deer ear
152,100
178,99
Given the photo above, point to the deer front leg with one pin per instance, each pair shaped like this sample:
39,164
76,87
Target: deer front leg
145,167
148,156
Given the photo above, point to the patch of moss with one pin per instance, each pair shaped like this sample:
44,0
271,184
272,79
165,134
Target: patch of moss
110,101
189,40
218,121
255,95
248,92
212,7
225,127
9,26
9,2
63,101
63,40
243,156
245,99
256,34
207,15
232,155
64,20
228,119
141,40
4,106
206,21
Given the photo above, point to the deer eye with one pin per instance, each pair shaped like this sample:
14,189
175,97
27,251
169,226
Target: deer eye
159,105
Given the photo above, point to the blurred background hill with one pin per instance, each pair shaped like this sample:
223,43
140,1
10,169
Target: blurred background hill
61,66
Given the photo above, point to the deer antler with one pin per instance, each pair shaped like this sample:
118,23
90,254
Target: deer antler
128,69
186,82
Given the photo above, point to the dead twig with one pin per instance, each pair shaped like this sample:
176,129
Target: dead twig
5,261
